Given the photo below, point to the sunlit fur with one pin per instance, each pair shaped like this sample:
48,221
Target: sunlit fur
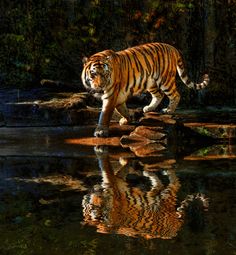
116,206
150,67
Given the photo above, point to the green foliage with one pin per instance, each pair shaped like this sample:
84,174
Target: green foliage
203,131
47,39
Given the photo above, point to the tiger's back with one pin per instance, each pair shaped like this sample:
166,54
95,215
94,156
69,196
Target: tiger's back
150,67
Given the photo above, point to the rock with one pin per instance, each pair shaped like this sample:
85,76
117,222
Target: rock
214,130
151,133
161,133
215,152
161,165
157,119
26,109
150,149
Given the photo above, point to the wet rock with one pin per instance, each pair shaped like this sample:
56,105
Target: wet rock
95,141
145,140
160,133
143,146
157,119
161,165
151,133
26,109
215,152
154,134
150,149
214,130
133,140
64,101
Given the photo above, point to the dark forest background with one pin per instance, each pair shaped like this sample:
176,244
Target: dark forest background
47,39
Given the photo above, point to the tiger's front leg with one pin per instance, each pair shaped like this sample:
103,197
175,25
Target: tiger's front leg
108,106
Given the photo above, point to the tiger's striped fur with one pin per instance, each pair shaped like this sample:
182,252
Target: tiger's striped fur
150,67
117,207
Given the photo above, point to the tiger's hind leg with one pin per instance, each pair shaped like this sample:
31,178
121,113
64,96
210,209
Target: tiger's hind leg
124,112
156,100
173,95
174,99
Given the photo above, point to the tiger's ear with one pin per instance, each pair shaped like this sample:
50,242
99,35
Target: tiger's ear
85,60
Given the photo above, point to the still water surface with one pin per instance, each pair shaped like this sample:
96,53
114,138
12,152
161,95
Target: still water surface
69,200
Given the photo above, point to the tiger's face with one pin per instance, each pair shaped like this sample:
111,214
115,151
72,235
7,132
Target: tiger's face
97,73
97,76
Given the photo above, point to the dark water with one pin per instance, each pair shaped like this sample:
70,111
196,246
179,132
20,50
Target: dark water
57,198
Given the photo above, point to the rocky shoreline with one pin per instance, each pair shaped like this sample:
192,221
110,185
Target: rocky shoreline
57,121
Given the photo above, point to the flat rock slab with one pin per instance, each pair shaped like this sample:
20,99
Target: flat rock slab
77,142
152,134
59,109
160,134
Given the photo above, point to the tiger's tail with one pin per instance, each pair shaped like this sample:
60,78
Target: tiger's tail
190,198
185,79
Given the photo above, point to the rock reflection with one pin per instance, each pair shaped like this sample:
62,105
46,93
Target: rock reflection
117,205
67,182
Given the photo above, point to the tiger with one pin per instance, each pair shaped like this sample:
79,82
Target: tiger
149,67
116,206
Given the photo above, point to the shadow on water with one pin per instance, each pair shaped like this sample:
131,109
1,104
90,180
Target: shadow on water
65,199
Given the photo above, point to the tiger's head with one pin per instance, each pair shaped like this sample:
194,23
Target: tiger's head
97,71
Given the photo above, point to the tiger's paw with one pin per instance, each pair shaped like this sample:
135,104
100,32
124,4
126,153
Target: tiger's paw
101,131
167,111
123,121
147,109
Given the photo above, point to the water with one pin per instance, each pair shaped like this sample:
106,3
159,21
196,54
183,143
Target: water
63,198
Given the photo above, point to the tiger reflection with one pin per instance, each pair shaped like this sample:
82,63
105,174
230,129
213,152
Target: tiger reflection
117,207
